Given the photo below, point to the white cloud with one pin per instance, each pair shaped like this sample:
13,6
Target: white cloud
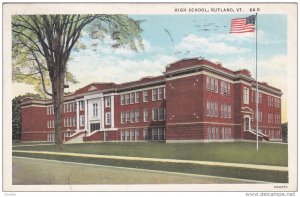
207,45
116,69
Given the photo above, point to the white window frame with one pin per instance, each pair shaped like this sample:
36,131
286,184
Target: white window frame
216,109
136,134
154,114
132,116
207,108
95,109
145,96
216,85
212,84
123,119
154,94
208,133
137,97
107,118
107,101
160,94
132,98
127,99
207,82
127,117
137,116
81,105
146,134
246,96
122,99
82,119
146,115
161,114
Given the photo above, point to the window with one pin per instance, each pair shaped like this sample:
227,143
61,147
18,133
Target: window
137,135
216,85
222,87
207,82
229,133
145,133
81,120
208,108
132,99
246,96
145,115
212,111
217,133
123,135
208,133
127,117
127,135
229,111
225,111
70,122
154,134
107,118
223,133
122,117
50,137
107,101
213,133
161,114
95,110
160,93
216,109
132,117
145,96
222,110
161,133
228,88
165,93
74,106
126,99
154,114
81,105
154,94
212,84
137,97
137,116
74,122
246,124
132,135
122,99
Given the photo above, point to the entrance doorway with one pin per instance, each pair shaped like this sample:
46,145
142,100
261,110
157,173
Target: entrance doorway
94,127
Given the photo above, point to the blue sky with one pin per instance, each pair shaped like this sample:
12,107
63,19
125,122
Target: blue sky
168,38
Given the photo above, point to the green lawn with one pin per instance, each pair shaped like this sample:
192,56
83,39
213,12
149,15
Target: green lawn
238,152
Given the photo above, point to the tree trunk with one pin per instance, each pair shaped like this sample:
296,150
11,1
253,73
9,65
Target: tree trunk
58,100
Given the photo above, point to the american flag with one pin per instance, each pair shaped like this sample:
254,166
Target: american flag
243,25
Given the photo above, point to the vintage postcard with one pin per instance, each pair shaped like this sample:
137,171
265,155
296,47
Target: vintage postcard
150,97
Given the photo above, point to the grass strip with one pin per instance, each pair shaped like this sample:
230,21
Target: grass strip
242,173
234,152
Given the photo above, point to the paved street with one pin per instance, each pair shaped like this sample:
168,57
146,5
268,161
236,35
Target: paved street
38,171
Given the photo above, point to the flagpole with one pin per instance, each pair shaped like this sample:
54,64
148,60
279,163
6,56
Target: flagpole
256,82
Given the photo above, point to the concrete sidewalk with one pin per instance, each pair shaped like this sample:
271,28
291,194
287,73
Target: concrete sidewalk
208,163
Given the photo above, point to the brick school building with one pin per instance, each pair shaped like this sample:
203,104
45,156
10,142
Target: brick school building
194,100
